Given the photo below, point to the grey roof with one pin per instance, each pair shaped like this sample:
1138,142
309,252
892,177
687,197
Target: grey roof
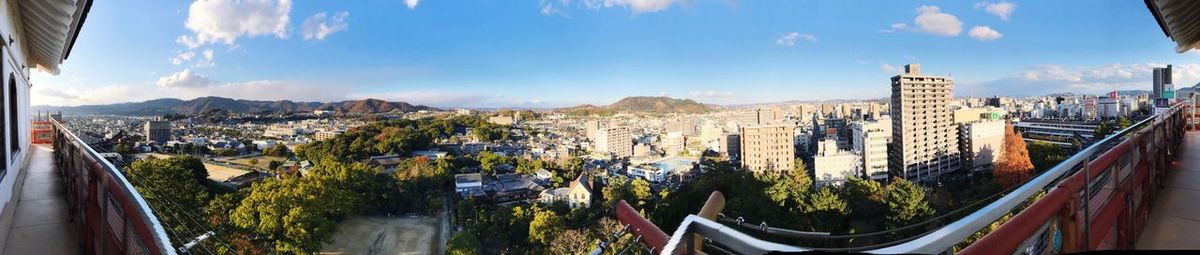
465,178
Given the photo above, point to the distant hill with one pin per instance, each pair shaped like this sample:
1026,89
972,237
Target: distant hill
203,104
645,104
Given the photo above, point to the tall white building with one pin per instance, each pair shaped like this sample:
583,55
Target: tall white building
981,144
871,139
833,165
923,128
615,140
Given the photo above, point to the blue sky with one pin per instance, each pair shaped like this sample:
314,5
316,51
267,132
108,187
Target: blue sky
500,53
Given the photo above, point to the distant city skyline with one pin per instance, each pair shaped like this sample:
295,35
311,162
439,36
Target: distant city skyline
555,53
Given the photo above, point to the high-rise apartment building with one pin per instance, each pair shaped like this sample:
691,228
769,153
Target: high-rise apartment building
767,148
158,131
871,139
616,140
1162,77
923,129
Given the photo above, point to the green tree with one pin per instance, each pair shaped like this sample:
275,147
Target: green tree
617,189
544,227
865,196
169,187
1044,155
828,211
463,243
274,164
905,203
641,191
254,162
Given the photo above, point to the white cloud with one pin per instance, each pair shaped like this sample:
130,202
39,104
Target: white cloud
184,79
1049,78
711,94
213,21
1003,10
637,6
183,57
55,93
554,7
984,33
412,4
207,61
889,69
318,26
896,27
790,38
931,20
87,95
1048,72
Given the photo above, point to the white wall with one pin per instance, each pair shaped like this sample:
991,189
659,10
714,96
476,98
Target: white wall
12,62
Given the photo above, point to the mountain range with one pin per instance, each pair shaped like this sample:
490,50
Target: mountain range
203,104
645,104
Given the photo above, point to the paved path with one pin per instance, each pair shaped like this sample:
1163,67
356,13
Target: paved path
42,224
1175,218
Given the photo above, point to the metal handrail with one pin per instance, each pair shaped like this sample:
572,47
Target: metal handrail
162,243
938,241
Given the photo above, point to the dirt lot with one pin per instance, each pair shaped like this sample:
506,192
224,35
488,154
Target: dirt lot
385,236
221,173
216,172
263,161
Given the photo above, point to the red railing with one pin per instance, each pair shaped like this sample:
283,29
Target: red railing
1103,206
109,214
1097,199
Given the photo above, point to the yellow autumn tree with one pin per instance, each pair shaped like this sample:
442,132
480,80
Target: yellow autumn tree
1014,165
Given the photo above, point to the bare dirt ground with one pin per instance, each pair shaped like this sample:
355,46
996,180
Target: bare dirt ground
216,172
386,236
221,173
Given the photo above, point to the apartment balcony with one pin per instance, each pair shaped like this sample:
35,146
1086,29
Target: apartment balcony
1133,190
73,201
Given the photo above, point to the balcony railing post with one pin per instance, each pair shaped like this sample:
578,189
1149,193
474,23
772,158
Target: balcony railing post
1068,224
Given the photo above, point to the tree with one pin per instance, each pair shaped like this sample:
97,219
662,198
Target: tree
865,196
544,227
1103,130
905,203
800,168
254,162
617,189
279,150
169,187
641,191
273,164
1014,165
571,241
828,211
463,243
1045,155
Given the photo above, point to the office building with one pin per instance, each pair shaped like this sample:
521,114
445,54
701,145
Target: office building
871,139
767,148
923,128
158,131
832,165
1162,77
981,144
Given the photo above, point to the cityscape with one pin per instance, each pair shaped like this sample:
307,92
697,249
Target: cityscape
599,127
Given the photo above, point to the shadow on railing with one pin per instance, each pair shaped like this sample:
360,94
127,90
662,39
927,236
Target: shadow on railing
109,214
1096,199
